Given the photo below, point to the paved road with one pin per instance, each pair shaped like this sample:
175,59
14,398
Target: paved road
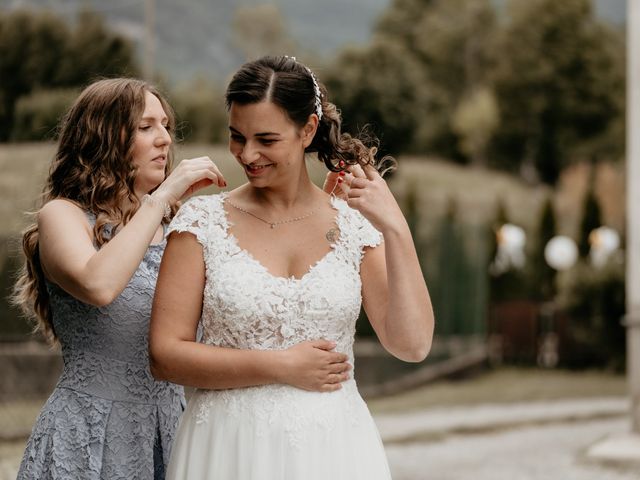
536,452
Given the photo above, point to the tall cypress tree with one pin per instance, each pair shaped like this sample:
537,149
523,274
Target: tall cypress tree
543,275
591,219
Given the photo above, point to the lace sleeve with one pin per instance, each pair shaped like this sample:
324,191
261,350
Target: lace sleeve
193,218
368,236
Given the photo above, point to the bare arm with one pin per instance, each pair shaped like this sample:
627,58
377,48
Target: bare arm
69,257
177,357
395,295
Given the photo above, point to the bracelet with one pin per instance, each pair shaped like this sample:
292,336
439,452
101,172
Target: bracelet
166,208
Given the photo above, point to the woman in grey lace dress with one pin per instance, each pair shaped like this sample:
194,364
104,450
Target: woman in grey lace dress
92,262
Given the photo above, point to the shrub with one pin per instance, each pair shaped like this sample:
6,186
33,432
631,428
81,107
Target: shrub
38,114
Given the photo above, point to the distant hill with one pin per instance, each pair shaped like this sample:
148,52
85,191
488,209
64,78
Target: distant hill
194,36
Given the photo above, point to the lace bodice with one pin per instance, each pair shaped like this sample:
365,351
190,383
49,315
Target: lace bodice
245,306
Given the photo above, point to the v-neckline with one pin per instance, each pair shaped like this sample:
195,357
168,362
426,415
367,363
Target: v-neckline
234,241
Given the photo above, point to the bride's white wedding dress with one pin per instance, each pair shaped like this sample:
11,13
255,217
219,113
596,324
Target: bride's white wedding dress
277,431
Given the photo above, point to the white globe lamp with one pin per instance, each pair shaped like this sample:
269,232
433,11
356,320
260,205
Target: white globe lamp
561,253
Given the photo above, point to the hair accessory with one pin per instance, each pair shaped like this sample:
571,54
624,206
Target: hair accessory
318,93
316,88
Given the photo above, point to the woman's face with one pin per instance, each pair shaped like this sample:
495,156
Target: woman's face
266,143
151,146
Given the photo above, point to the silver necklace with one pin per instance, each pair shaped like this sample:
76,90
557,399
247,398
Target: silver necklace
271,224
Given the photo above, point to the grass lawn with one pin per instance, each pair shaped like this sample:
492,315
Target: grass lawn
23,169
476,192
505,385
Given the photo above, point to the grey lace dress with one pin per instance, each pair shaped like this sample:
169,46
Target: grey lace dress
107,418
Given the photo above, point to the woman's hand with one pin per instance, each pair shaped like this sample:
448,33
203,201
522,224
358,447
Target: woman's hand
311,365
188,177
333,185
368,193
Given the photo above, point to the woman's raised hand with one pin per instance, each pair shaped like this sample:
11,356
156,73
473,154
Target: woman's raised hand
312,365
188,177
367,192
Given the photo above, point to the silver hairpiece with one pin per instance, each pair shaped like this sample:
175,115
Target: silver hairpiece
316,88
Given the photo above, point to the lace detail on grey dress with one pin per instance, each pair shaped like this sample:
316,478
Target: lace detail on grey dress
245,306
108,418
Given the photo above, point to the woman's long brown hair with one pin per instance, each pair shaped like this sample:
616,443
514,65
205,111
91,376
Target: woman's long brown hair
92,168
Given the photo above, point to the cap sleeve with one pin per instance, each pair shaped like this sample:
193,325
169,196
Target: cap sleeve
192,217
355,230
367,234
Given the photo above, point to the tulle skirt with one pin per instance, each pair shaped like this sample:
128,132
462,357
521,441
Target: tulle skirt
278,432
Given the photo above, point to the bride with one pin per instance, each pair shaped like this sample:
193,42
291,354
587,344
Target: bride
273,263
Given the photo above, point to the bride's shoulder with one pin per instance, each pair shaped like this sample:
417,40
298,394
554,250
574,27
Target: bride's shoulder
203,203
355,226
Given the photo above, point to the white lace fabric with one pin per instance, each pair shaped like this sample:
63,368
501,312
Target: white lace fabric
247,307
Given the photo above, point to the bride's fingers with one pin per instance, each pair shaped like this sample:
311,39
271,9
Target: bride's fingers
370,172
358,183
337,378
356,171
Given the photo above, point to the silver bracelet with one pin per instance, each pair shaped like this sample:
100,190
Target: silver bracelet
166,208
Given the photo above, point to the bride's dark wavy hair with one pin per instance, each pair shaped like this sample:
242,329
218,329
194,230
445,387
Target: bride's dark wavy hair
93,168
291,86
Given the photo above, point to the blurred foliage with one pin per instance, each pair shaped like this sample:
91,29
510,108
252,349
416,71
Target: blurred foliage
201,112
543,276
38,113
559,83
475,121
14,325
383,87
425,57
458,275
591,219
40,51
260,30
594,299
531,92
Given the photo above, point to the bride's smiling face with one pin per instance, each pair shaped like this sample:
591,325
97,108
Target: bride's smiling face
266,143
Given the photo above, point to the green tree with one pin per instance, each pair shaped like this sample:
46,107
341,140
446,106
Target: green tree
32,47
543,275
38,113
93,50
591,219
382,86
452,42
475,121
559,83
201,112
261,30
40,51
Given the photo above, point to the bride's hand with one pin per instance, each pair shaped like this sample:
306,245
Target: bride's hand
368,193
312,365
